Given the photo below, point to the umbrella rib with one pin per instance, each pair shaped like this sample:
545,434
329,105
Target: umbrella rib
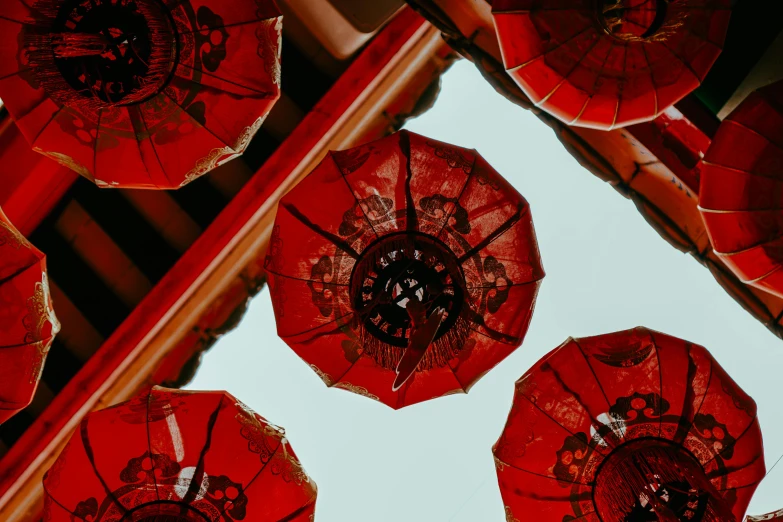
152,144
263,467
95,146
234,24
600,428
13,20
652,78
335,240
49,122
411,218
461,192
85,437
49,494
22,345
149,445
544,54
598,78
682,60
592,371
726,447
504,463
198,473
762,277
503,228
303,280
5,77
698,410
318,328
532,281
493,334
211,75
738,210
746,172
751,485
291,516
536,406
199,124
687,400
338,379
17,273
752,131
568,74
660,379
350,189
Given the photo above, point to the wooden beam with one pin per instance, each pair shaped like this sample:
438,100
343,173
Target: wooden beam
236,238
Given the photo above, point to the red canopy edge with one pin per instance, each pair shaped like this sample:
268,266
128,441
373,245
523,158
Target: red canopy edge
208,282
653,164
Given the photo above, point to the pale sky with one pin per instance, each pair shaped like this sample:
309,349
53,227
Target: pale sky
607,270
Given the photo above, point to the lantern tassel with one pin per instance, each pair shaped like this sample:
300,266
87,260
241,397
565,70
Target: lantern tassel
73,45
658,478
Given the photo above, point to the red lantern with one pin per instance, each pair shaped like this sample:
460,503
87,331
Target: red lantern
629,426
609,63
27,322
139,93
777,516
740,193
403,269
176,456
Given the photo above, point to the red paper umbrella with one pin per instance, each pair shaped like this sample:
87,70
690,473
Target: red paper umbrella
629,427
741,193
176,456
404,269
609,63
777,516
27,322
139,93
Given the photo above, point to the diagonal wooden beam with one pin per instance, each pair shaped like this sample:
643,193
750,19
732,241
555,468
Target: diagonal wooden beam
235,239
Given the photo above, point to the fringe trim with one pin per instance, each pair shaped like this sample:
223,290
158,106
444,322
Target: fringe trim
640,472
43,47
438,354
388,356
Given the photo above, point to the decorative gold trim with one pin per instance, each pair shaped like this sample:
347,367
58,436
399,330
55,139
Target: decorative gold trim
40,311
11,236
217,157
324,376
65,161
356,389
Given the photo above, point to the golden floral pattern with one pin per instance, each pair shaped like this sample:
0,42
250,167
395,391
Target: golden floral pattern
11,236
65,161
270,42
357,390
40,311
324,376
219,156
288,466
510,516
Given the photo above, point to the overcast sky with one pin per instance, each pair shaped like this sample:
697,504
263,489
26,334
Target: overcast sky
607,270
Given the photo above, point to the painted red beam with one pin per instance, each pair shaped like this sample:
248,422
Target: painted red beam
175,289
30,184
677,141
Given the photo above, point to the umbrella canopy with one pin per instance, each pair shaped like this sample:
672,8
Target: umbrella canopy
609,63
139,93
628,427
27,321
772,517
403,269
175,456
741,188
